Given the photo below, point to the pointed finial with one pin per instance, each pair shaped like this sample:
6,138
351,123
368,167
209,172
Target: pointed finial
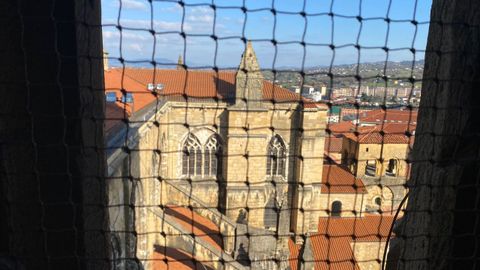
249,60
105,60
180,62
249,45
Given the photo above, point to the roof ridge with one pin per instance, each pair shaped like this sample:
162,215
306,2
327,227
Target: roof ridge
131,78
366,135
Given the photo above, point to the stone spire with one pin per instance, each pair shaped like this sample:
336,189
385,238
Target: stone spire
180,62
249,80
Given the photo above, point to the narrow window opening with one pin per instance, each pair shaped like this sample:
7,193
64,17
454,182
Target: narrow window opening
336,209
276,158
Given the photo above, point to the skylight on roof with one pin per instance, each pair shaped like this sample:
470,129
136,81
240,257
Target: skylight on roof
128,98
110,97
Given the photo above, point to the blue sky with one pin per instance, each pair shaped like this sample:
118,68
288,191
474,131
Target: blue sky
229,23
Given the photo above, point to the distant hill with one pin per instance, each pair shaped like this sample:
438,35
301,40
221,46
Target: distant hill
380,65
143,63
146,63
371,73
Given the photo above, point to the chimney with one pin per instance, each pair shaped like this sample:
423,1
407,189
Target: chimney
105,60
249,80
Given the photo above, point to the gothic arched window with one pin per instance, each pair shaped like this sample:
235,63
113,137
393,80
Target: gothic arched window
198,160
336,209
211,157
276,158
191,156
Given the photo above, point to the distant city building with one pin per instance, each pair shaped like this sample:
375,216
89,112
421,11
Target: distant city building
349,113
334,118
377,91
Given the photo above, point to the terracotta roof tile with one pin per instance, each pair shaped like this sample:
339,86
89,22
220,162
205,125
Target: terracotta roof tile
114,116
336,179
389,116
332,253
194,223
393,133
194,84
116,80
341,127
366,228
332,244
294,254
333,144
167,258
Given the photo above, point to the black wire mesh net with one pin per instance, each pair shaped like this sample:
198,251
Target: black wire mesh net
279,139
242,135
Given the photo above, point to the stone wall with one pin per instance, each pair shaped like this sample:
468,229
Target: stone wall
361,153
391,190
368,255
121,193
309,170
352,204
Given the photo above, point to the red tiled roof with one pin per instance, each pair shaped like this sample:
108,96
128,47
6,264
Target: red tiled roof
332,253
115,81
341,127
331,245
294,254
366,228
114,115
201,227
393,133
389,116
377,138
196,84
167,258
333,144
336,179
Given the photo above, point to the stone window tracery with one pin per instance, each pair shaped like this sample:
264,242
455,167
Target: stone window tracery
211,157
198,160
190,158
276,158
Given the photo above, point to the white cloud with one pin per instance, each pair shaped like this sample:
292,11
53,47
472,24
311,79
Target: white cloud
130,4
200,15
201,19
135,47
171,26
115,35
172,9
158,25
110,35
